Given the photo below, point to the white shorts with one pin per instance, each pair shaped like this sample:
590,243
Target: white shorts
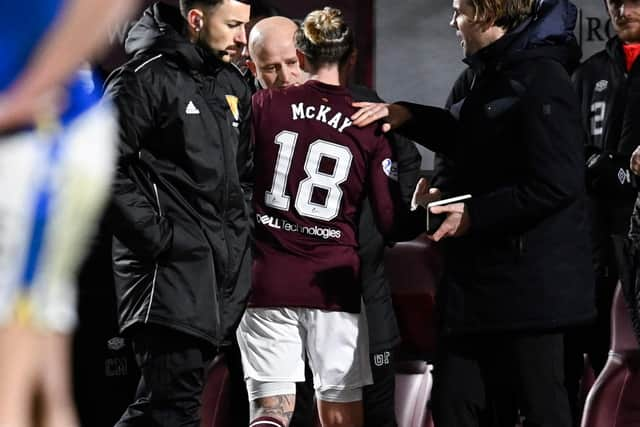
54,186
274,342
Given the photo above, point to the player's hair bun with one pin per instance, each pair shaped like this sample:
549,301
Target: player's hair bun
324,37
324,26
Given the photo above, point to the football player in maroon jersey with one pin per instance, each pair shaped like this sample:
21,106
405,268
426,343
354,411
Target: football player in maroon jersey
313,170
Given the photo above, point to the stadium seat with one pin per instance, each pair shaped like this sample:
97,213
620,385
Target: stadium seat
614,399
413,269
216,406
413,390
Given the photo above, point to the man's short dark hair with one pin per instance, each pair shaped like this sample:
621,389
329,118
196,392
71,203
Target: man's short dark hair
263,9
187,5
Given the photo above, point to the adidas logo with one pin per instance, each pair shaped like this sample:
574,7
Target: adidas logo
192,109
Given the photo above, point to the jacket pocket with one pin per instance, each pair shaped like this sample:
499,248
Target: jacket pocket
498,107
187,242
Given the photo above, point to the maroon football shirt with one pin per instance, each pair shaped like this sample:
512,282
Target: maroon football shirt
313,170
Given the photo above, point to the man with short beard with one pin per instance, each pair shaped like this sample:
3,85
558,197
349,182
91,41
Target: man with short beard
180,219
605,84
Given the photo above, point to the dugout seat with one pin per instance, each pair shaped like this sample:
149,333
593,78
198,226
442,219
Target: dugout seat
614,399
413,269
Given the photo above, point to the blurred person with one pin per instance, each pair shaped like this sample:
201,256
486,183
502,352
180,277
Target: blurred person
306,221
605,85
517,253
274,63
181,247
57,146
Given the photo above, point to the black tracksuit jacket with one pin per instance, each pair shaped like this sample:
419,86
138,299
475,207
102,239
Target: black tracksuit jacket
181,252
603,87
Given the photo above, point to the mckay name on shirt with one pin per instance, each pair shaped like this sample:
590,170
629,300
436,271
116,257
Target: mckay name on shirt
321,113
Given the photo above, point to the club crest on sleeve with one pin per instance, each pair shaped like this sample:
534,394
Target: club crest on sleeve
233,105
390,168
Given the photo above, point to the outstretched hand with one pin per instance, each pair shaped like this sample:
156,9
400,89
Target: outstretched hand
394,115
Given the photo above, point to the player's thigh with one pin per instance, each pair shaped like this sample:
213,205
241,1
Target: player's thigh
21,163
338,350
271,345
80,174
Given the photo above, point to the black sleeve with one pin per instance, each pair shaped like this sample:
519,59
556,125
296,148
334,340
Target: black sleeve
443,166
133,216
245,145
408,159
432,127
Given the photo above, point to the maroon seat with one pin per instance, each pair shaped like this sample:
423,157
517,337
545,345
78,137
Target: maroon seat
216,407
413,269
413,390
614,399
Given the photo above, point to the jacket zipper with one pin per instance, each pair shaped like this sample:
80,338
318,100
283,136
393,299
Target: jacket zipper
218,299
215,293
155,269
224,232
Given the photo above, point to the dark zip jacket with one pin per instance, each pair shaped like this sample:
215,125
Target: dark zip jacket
512,138
181,251
603,87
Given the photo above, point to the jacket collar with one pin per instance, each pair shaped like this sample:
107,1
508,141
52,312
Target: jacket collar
548,32
161,29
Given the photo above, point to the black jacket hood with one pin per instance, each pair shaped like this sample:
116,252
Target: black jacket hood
160,29
548,32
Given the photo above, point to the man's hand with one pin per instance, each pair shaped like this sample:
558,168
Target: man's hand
634,164
456,224
423,195
393,114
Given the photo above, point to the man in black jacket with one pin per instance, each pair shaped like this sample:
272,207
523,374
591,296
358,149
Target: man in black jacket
180,219
604,85
274,63
517,253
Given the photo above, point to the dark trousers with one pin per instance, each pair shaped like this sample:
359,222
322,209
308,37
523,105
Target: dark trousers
172,366
485,380
377,398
